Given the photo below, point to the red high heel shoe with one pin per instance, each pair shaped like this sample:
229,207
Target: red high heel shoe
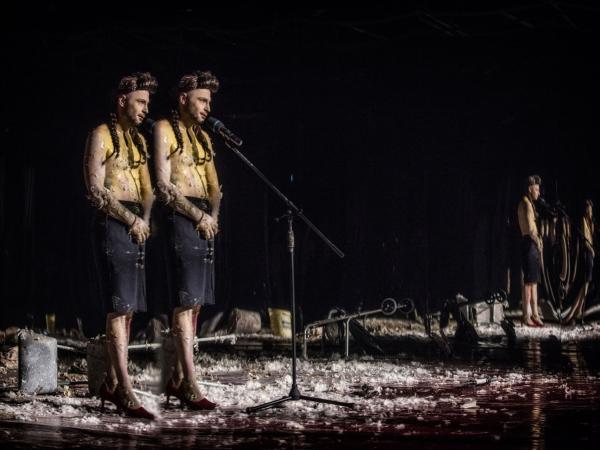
537,321
171,389
126,402
187,396
106,394
528,322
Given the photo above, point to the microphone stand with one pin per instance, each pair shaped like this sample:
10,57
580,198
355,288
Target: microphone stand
292,212
558,210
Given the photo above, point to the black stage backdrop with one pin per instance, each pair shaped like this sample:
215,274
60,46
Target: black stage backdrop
404,141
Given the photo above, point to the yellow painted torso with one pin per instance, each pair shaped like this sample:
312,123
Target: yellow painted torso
527,218
121,179
588,230
189,178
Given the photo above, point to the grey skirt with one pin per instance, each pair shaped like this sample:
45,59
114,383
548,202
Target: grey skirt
119,263
191,259
531,261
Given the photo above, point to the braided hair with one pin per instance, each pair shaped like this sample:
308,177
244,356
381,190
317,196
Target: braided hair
208,155
196,80
199,79
137,81
198,160
137,139
174,121
140,144
112,126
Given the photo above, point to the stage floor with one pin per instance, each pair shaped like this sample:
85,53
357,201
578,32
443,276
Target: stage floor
543,392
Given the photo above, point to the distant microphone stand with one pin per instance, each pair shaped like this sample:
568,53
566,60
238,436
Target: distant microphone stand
558,210
292,212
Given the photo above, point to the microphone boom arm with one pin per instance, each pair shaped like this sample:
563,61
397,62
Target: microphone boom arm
295,210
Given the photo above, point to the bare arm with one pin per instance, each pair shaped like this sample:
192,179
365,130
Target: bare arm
588,236
94,173
533,226
214,189
169,193
147,194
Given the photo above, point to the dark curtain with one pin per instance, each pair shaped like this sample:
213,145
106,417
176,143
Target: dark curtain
408,155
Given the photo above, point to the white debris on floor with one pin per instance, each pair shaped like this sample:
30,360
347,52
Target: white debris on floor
393,395
394,327
383,391
550,330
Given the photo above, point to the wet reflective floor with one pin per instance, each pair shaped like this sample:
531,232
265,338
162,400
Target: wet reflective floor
537,394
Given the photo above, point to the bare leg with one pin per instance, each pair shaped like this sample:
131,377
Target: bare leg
116,335
534,306
179,368
196,313
128,318
181,322
527,304
111,374
183,330
117,331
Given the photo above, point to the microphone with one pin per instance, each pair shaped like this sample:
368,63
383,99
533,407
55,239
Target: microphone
218,127
550,209
148,124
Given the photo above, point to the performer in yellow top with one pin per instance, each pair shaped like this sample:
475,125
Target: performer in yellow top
118,184
187,183
531,252
588,255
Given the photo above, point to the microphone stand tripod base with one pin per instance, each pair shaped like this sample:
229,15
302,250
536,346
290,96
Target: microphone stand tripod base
292,211
295,395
